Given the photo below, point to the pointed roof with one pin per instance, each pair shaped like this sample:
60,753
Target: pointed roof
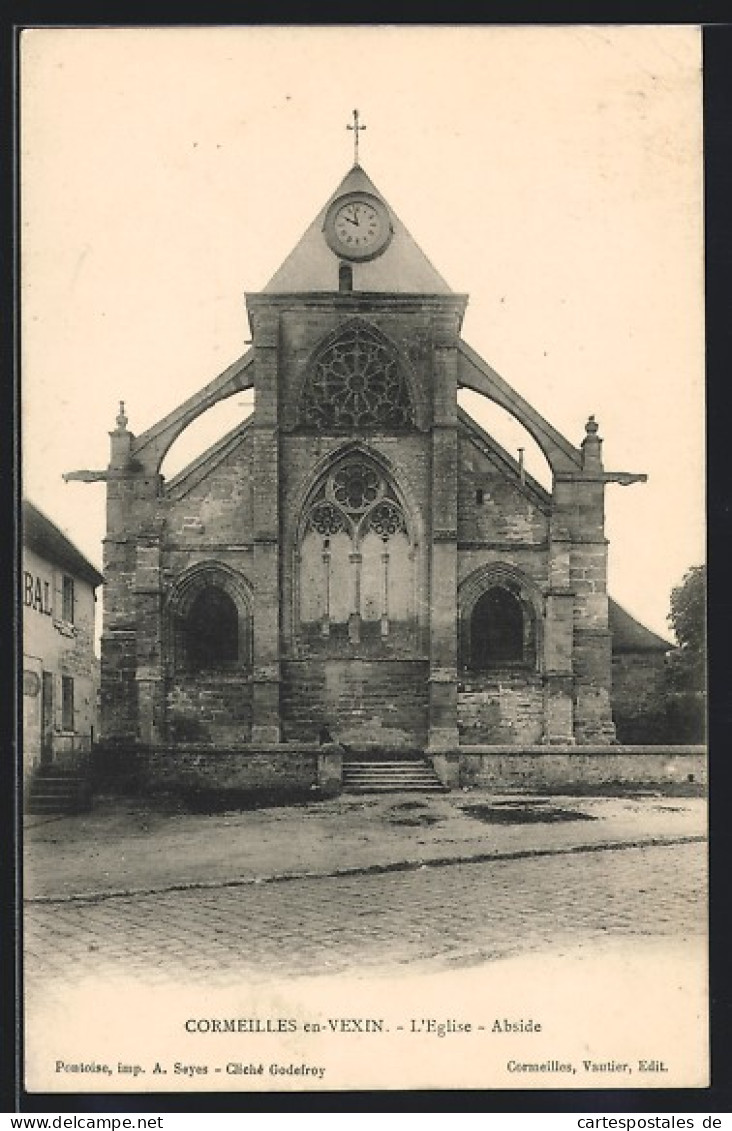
312,266
46,539
629,635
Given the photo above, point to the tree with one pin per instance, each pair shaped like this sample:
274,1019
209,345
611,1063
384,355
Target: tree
688,620
687,671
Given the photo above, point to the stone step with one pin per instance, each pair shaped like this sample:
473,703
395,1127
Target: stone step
55,806
377,758
385,767
393,787
56,791
57,785
375,788
386,772
390,777
397,766
386,779
58,773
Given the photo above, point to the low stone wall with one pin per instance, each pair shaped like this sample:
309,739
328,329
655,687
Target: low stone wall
291,769
253,770
557,767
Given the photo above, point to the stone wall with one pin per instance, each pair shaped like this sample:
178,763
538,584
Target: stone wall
491,507
573,768
119,689
118,642
407,322
591,664
210,708
501,707
640,704
215,507
376,700
194,770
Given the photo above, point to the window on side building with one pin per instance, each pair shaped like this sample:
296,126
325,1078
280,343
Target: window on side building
67,609
67,702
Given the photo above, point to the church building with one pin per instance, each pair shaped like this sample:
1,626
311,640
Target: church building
358,561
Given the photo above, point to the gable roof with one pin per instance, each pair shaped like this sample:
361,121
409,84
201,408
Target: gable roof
629,635
45,539
312,266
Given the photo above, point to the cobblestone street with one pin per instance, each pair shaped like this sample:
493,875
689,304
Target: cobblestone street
433,916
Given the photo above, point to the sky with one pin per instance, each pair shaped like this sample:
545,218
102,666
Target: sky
554,174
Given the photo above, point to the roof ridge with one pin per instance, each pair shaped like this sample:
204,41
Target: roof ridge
41,534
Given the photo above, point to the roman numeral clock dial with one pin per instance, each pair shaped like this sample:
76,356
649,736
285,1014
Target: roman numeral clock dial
357,226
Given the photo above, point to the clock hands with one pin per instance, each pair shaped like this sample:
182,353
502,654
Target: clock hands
368,231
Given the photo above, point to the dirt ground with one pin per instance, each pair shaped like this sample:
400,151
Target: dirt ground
126,845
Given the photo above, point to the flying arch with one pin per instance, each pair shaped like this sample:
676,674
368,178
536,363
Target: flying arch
476,374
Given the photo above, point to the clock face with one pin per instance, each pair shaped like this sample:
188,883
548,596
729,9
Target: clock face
357,226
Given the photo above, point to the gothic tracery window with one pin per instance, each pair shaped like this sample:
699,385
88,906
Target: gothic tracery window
356,486
385,520
356,555
326,519
357,384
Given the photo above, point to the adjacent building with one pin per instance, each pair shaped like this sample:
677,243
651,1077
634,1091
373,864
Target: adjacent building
60,668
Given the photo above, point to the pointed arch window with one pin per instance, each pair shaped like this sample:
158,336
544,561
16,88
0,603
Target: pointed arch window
212,631
209,621
499,621
356,557
355,384
497,630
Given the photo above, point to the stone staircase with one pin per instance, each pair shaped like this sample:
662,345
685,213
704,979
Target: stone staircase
57,790
412,775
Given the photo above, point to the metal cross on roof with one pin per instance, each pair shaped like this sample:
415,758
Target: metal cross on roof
356,127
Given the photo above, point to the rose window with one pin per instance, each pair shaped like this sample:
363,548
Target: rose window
356,384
